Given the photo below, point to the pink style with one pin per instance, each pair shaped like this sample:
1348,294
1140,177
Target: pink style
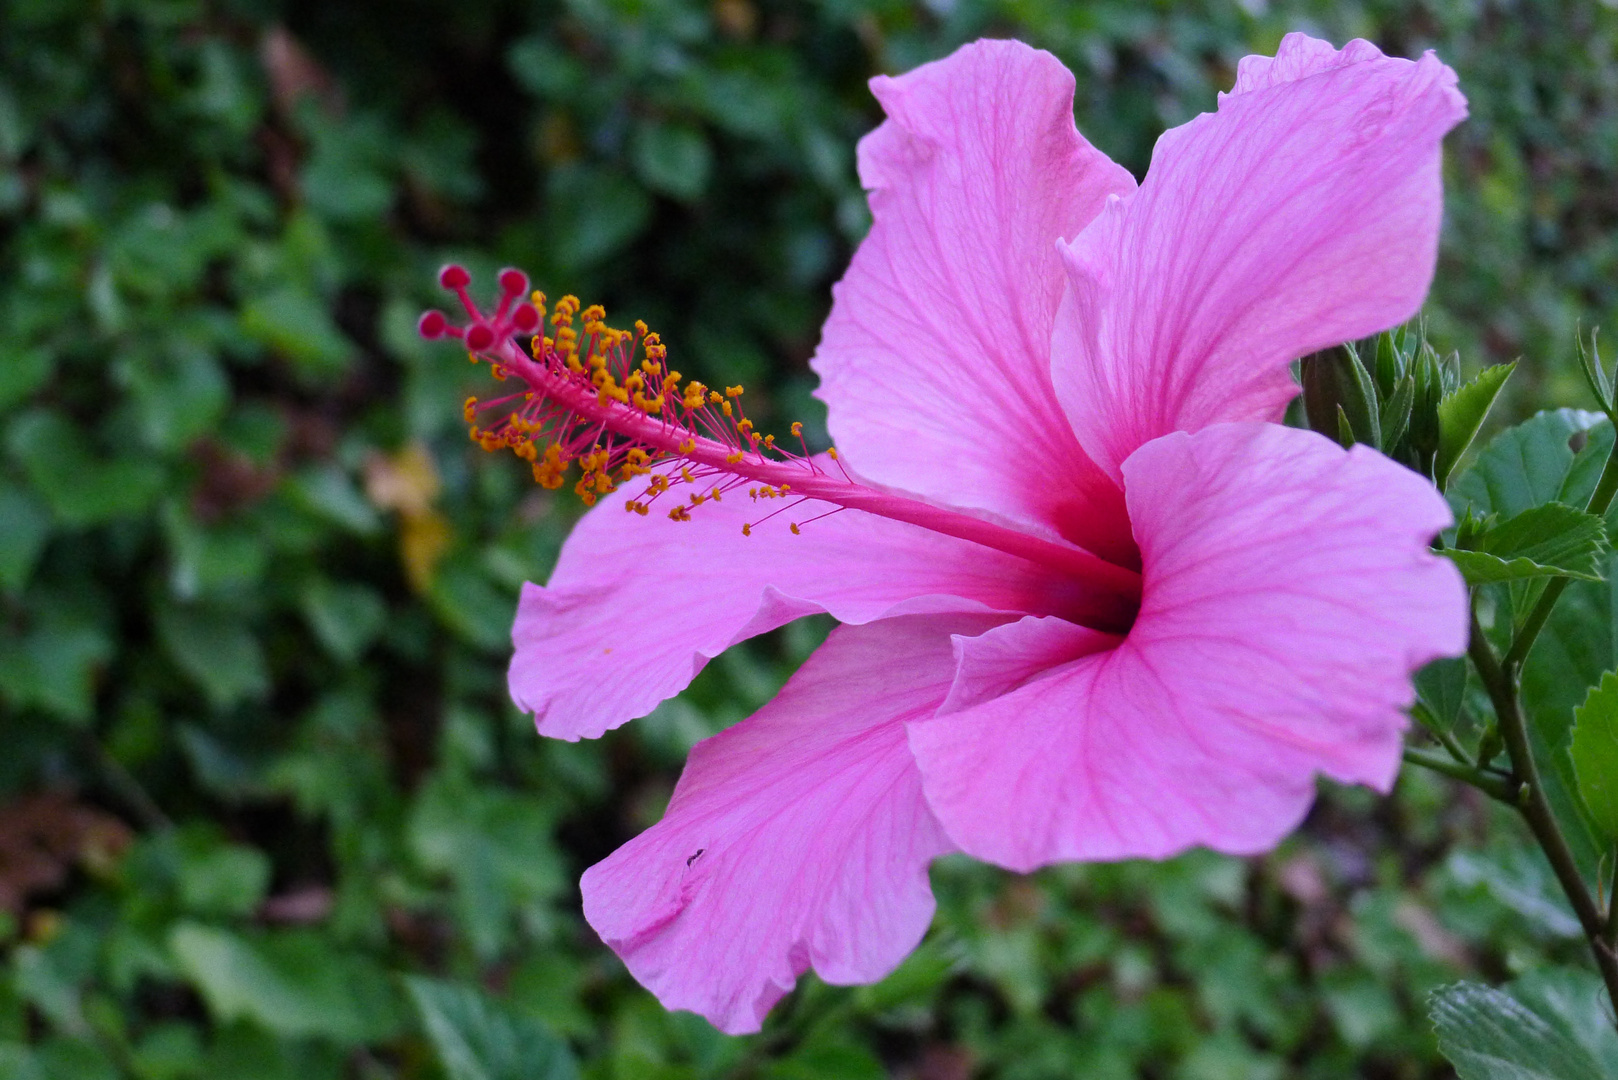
1095,603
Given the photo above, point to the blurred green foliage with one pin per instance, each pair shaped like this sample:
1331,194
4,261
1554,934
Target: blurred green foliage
264,808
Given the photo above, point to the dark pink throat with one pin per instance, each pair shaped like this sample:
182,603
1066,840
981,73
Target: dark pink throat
606,400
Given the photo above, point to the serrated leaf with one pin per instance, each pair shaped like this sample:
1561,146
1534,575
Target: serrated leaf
478,1038
1462,412
1576,1001
1524,466
1595,753
1552,540
1489,1035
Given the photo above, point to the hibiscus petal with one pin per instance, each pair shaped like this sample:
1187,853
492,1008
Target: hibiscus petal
998,662
1289,593
637,606
797,838
935,360
1303,213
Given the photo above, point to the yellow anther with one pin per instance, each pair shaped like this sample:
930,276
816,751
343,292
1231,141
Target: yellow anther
784,488
685,474
725,407
769,441
688,446
714,397
640,327
797,429
745,427
734,458
595,313
795,529
470,409
832,453
498,372
747,530
733,391
680,513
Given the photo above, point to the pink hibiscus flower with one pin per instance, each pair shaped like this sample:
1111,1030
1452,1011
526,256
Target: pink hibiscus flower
1095,603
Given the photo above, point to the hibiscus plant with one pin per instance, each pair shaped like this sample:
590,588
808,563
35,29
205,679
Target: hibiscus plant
1097,601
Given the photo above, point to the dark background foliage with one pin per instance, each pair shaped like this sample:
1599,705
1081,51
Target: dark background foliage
264,808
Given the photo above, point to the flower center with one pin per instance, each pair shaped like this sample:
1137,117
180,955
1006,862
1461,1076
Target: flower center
607,400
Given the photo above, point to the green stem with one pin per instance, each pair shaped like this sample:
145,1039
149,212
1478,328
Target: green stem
1491,783
1501,683
1600,499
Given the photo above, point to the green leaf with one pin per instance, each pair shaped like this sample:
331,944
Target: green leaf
297,325
1488,1035
495,845
327,492
1576,648
218,878
1576,1001
1595,753
1462,412
346,618
295,984
1553,540
22,371
1520,879
1522,467
478,1038
54,666
25,524
673,159
1441,685
217,650
81,488
179,392
593,213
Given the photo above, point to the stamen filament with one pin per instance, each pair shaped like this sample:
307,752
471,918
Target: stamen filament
602,411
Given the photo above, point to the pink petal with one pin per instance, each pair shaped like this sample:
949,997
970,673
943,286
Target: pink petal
935,361
1303,213
1011,655
1289,593
637,606
797,838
